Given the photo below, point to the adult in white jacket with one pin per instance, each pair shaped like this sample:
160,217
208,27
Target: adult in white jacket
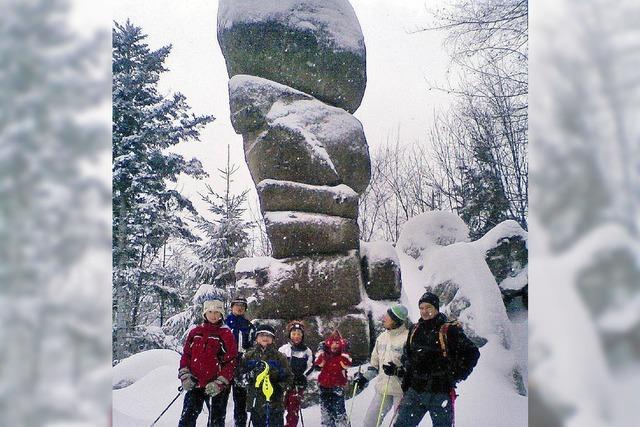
387,351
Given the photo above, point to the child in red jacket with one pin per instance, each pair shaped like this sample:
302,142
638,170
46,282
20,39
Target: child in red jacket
333,360
207,365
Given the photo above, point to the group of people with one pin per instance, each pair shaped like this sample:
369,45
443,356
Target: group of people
418,368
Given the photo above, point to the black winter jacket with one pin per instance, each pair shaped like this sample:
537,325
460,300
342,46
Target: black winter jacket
426,368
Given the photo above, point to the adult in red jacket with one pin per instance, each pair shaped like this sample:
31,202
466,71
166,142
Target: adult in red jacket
207,365
333,361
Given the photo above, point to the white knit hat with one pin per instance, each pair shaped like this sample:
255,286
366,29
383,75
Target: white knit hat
213,305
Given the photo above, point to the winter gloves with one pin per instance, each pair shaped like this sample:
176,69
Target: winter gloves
391,369
188,381
360,381
215,387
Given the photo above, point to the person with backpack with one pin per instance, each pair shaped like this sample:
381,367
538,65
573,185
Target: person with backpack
268,374
244,333
333,361
436,356
207,366
386,354
300,359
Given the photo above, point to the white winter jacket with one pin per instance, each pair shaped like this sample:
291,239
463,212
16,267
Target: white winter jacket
388,348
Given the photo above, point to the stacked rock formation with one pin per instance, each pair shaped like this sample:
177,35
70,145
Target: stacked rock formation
297,72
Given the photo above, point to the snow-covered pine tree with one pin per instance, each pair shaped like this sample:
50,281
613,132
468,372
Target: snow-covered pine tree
226,236
145,210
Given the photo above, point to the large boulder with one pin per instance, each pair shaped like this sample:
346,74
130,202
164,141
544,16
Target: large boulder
300,233
287,154
338,200
299,287
431,230
292,137
352,323
315,46
380,270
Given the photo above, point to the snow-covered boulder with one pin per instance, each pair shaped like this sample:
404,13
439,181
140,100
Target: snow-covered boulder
338,200
292,138
134,367
431,230
298,287
300,233
380,270
438,257
315,46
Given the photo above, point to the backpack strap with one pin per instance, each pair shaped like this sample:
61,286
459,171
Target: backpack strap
443,335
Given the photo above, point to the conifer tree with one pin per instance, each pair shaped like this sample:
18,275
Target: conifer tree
146,211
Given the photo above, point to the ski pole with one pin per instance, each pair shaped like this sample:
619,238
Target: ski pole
384,396
209,421
253,407
355,389
180,389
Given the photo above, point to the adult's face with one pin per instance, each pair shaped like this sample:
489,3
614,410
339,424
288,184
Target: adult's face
427,311
388,322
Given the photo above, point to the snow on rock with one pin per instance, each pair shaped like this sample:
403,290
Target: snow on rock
314,46
300,233
334,20
379,252
516,282
431,230
339,200
133,368
497,234
437,256
290,136
301,286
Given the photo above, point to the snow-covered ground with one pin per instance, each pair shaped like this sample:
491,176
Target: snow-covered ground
440,253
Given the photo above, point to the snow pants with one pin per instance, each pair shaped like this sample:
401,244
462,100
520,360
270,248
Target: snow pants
371,417
332,409
193,401
239,404
415,405
293,402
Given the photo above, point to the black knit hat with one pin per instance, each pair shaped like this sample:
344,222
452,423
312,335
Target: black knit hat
430,298
265,329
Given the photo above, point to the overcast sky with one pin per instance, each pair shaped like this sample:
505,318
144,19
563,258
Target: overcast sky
400,66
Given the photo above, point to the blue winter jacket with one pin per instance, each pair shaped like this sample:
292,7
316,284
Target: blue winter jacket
243,331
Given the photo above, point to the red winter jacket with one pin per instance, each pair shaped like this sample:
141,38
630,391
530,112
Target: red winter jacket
210,351
334,365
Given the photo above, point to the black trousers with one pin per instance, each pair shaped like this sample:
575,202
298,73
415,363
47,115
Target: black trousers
239,404
193,401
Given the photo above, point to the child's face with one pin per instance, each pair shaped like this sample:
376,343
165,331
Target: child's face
335,346
264,340
238,309
213,316
296,336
